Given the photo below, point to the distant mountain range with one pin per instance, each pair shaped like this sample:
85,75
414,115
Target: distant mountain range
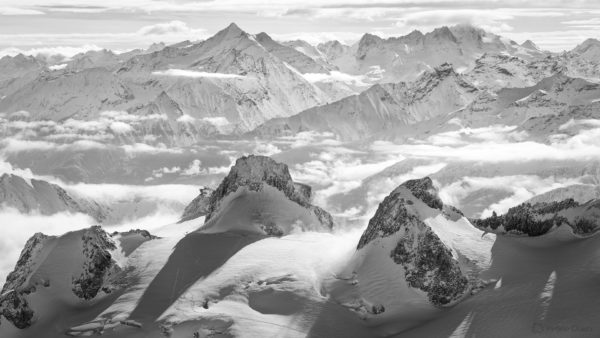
236,83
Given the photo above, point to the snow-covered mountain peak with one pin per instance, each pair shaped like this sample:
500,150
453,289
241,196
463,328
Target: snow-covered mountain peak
263,179
231,31
530,45
444,34
252,172
399,206
424,190
588,50
420,244
75,267
368,41
587,45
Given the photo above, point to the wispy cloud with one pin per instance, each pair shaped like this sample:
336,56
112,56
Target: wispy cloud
19,11
70,43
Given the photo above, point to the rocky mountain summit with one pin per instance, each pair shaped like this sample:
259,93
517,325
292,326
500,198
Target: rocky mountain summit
263,176
426,261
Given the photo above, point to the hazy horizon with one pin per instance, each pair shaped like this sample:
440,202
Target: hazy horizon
70,26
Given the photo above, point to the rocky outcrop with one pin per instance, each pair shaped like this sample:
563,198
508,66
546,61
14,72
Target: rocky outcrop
253,173
88,268
198,207
426,261
540,218
98,264
13,304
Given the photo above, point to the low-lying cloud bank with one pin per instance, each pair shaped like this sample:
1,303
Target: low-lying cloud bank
500,144
18,228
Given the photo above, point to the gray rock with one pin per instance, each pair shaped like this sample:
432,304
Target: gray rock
198,207
427,263
98,266
252,172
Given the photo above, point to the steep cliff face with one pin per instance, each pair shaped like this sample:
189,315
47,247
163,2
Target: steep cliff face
543,217
98,264
13,302
265,177
198,207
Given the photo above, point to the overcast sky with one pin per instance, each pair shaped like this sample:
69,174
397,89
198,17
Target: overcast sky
71,25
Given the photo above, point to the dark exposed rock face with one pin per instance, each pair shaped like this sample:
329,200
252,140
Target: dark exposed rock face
424,190
253,172
427,263
539,218
198,207
393,212
13,305
98,266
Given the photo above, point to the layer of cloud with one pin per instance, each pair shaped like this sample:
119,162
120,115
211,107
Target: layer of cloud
497,147
19,11
69,44
520,189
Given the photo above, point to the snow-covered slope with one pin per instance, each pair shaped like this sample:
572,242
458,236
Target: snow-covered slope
541,110
31,195
406,57
55,276
258,195
382,109
230,76
415,255
497,71
291,56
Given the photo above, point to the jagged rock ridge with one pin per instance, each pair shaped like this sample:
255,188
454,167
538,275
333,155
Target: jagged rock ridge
542,217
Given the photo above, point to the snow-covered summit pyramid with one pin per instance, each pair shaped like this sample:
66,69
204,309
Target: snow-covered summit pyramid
259,195
415,255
